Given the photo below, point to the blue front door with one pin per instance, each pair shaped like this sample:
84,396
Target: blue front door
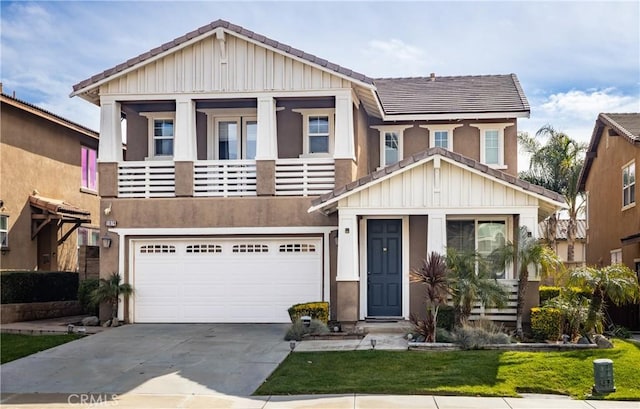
384,268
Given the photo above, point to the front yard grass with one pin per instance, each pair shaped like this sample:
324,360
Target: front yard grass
473,373
15,346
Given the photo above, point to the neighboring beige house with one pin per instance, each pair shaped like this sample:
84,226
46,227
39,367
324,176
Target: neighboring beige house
48,190
561,245
258,176
613,215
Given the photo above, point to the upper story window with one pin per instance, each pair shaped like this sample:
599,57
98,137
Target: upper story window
441,135
481,235
391,143
616,256
629,184
4,231
161,134
232,133
492,144
318,131
88,237
88,166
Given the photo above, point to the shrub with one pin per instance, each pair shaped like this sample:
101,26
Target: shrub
478,334
38,286
546,323
619,331
85,291
574,310
547,293
446,317
298,330
442,335
318,310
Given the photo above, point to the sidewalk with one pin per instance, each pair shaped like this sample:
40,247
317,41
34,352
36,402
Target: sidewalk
349,401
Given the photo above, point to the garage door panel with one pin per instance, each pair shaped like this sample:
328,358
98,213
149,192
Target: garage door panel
208,282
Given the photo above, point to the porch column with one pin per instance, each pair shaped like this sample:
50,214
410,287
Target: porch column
348,272
267,138
185,148
529,219
437,232
110,142
344,146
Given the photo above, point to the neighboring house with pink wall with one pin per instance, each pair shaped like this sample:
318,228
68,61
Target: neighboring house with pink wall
258,176
561,245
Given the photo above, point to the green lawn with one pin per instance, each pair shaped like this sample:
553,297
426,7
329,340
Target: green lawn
481,373
14,346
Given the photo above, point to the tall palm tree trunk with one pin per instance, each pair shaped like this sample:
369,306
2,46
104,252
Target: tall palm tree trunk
523,281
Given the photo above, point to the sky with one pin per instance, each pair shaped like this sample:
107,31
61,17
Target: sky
573,59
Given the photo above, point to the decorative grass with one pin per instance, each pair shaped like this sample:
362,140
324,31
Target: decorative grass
15,346
472,373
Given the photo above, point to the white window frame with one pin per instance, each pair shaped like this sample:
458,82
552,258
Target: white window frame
624,168
449,129
508,273
384,129
484,128
306,113
616,256
158,116
239,115
91,232
5,217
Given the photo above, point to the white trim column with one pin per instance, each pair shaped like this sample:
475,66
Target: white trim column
110,142
267,138
529,219
437,232
344,146
348,263
185,147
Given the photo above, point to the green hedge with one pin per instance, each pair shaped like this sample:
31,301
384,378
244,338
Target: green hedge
38,286
546,323
318,310
547,293
446,317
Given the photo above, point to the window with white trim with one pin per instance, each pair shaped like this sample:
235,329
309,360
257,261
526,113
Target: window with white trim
88,236
481,235
629,184
232,133
161,134
441,135
4,231
391,143
492,144
318,131
616,256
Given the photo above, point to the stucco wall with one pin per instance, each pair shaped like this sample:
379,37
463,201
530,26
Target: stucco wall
37,154
608,223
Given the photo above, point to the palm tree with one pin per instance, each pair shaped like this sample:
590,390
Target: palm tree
433,274
109,291
616,283
529,255
556,165
471,280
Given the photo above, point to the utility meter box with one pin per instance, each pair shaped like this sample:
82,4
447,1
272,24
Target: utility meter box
603,376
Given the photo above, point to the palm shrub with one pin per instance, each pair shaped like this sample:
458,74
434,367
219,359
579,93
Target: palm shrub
109,291
85,295
574,309
616,283
471,280
433,275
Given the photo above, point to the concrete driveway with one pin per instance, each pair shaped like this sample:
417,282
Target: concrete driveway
200,359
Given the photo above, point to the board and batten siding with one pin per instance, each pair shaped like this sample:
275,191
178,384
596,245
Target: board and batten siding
200,67
457,188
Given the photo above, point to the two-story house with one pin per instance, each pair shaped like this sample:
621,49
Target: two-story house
49,200
258,176
613,217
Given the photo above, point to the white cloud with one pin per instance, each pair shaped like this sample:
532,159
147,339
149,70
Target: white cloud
388,57
587,104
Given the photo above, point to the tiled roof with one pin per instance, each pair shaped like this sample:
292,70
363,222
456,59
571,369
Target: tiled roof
397,167
57,206
561,229
460,94
231,27
626,125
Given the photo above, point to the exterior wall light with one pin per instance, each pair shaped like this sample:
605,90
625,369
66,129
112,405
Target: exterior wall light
106,242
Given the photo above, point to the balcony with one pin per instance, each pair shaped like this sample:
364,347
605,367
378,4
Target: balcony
226,178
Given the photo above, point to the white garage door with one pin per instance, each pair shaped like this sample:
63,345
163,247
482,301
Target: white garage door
232,280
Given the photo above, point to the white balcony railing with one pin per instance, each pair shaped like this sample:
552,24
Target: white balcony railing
305,177
146,179
224,178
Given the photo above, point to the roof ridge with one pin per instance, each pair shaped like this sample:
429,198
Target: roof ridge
442,76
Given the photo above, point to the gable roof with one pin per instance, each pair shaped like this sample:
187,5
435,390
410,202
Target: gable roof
470,94
339,193
48,115
626,125
208,30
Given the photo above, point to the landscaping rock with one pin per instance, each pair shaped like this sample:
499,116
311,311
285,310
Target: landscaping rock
602,341
583,340
90,321
106,324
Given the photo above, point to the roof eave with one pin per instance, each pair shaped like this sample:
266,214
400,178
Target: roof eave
450,116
